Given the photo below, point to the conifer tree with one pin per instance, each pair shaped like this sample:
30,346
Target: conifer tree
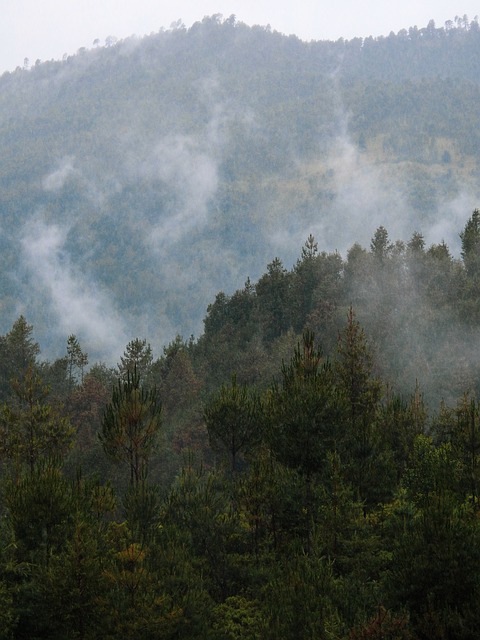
470,237
18,352
131,425
136,357
273,295
234,421
77,359
362,392
306,417
30,429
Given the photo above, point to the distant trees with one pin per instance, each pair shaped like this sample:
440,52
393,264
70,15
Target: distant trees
18,352
274,294
470,237
77,359
136,357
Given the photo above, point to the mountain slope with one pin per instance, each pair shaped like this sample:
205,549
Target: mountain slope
139,179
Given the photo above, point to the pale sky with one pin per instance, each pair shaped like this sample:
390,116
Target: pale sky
45,29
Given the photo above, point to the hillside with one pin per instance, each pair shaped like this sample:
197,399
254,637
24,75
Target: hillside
140,178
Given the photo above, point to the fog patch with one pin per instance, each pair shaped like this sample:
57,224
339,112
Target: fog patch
192,175
80,306
450,221
55,181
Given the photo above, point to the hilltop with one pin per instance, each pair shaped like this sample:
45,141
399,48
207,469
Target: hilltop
140,178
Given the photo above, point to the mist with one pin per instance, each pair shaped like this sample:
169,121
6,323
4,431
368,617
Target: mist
77,305
144,177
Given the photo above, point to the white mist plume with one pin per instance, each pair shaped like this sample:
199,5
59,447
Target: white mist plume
192,174
367,197
450,221
80,307
55,180
186,165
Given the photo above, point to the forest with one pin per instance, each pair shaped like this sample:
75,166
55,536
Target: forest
140,177
239,337
309,467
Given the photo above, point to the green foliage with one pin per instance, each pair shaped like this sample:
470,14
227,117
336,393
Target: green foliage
355,514
305,410
435,569
75,584
234,419
77,359
459,428
199,506
401,422
136,360
362,393
237,619
40,507
8,614
432,471
18,354
131,425
30,429
273,292
470,238
298,600
384,625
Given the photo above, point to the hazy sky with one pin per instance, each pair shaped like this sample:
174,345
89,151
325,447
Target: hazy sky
47,29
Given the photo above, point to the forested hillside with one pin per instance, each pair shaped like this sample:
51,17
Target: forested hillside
307,468
307,465
141,177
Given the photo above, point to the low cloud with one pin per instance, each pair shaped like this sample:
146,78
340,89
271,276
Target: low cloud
191,174
450,221
56,180
80,306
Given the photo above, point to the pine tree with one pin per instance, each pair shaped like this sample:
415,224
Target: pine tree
31,430
273,295
234,421
18,352
136,357
362,392
470,238
131,425
306,416
77,359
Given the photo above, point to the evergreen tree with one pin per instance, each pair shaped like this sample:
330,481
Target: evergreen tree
380,245
470,237
77,359
306,416
362,393
136,357
18,352
30,429
460,428
131,425
274,295
234,421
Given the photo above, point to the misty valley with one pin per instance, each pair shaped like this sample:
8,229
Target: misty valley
239,337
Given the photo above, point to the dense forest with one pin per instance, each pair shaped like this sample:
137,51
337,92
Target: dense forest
141,177
308,468
305,463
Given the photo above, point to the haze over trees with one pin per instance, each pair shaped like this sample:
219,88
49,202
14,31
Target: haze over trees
318,477
141,177
308,466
